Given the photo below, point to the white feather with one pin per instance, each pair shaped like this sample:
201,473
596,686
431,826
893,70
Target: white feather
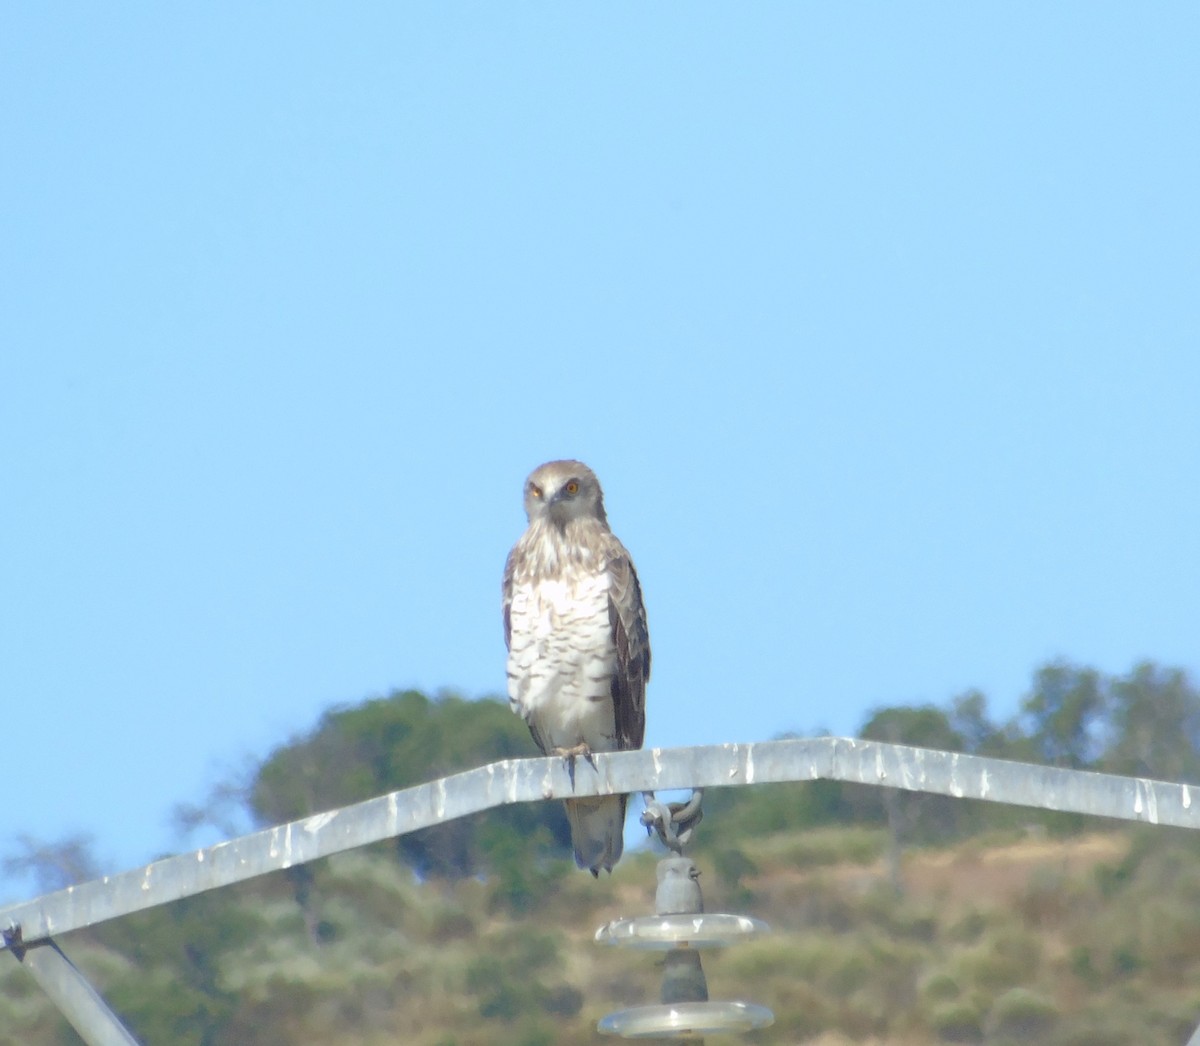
562,659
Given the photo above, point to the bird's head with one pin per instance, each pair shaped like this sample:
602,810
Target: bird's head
561,491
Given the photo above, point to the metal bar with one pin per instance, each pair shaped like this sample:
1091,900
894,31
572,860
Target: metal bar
75,998
533,780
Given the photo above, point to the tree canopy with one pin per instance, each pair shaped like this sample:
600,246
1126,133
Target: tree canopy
388,743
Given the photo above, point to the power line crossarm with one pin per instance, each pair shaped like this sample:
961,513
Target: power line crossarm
534,780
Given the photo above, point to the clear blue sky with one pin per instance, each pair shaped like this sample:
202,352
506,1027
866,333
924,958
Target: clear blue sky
880,324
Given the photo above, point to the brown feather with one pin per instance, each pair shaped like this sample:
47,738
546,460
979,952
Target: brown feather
627,614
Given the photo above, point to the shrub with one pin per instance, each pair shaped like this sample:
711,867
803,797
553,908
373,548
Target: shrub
940,987
1022,1014
958,1021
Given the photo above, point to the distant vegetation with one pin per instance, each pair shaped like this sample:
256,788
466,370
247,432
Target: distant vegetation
899,917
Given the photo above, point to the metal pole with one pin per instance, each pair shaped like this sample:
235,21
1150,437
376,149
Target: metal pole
70,991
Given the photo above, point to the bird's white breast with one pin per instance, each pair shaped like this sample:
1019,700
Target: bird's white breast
562,658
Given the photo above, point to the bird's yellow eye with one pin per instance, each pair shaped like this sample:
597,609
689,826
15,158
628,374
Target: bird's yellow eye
535,490
572,487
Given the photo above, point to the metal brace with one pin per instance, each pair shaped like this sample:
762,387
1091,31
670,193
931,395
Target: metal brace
674,822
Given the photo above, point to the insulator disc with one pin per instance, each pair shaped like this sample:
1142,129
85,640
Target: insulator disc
663,932
686,1020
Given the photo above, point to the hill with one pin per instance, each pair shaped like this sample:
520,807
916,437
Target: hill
898,917
1014,938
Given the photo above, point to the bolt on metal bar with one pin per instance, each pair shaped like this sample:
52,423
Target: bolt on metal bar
74,996
533,780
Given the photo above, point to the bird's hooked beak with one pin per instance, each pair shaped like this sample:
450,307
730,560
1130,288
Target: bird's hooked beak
559,507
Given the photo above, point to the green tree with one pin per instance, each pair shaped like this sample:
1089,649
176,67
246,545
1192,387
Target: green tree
390,743
53,864
1065,713
969,720
185,945
1155,723
924,726
912,815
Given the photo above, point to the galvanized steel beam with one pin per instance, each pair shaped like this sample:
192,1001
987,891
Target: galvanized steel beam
533,780
70,991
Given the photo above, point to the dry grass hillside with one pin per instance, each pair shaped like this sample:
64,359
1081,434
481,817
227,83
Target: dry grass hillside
1010,938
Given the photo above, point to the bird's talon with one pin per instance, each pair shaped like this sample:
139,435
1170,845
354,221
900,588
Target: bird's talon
569,755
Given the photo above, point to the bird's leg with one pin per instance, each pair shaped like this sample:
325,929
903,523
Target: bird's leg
569,755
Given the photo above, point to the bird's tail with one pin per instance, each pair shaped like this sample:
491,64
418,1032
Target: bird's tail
597,830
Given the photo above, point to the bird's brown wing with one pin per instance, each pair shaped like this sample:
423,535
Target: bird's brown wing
627,615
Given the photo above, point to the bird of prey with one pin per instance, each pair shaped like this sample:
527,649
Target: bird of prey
578,648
